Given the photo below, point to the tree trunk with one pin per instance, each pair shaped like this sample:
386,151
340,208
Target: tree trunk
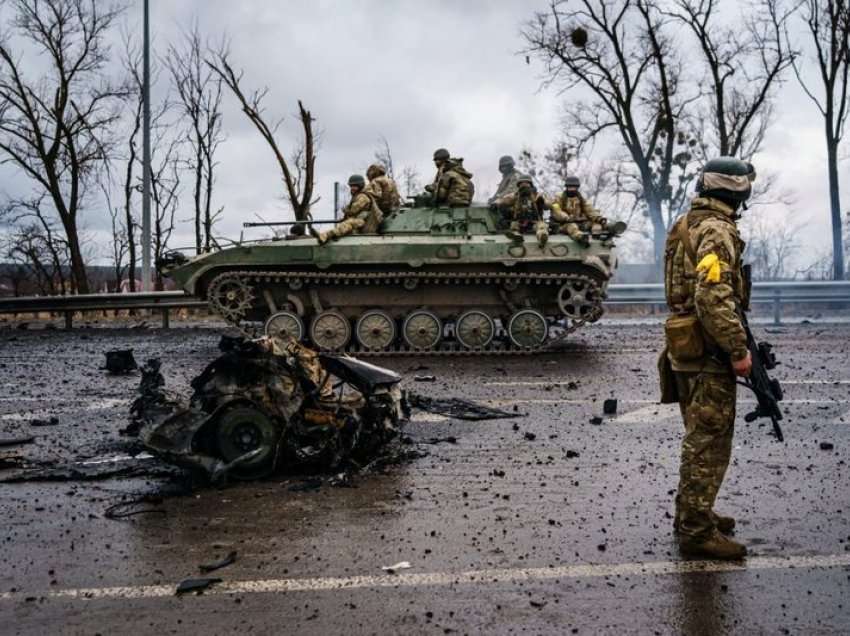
835,207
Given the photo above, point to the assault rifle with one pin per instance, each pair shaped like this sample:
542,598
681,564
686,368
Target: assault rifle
767,390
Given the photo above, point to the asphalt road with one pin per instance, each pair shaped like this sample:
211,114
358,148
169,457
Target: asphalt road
543,523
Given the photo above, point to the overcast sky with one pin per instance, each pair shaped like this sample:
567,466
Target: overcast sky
423,75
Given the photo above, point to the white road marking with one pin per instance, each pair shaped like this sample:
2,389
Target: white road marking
428,417
649,413
564,383
469,577
98,405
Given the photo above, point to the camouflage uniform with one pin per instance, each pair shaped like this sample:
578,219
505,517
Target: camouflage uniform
707,284
508,185
576,217
362,215
452,185
383,189
526,214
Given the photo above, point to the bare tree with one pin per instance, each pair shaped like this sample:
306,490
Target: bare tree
57,128
120,236
618,52
828,25
744,62
165,188
36,243
771,246
384,156
199,97
410,181
299,171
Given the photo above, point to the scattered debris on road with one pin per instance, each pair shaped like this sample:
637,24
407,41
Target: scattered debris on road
124,509
16,441
425,378
120,361
196,585
401,565
217,565
52,421
457,408
609,407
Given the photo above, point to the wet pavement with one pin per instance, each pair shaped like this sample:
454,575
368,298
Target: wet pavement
545,523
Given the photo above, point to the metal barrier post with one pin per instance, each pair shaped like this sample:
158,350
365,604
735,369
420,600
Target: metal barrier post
777,308
164,311
69,320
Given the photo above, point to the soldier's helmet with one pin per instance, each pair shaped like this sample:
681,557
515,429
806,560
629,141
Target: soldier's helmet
441,154
572,181
506,162
726,178
524,178
357,180
375,170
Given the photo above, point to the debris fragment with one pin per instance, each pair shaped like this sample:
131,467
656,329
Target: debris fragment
124,509
195,585
458,408
827,446
596,420
425,378
306,485
571,454
53,421
609,407
401,565
120,361
221,563
16,441
529,436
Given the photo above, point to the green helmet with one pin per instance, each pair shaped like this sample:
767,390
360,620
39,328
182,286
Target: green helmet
572,181
357,180
506,161
524,178
441,154
726,178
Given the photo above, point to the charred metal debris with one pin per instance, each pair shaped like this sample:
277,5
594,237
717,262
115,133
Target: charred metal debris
269,404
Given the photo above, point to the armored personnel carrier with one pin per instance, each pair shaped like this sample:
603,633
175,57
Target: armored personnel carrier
433,280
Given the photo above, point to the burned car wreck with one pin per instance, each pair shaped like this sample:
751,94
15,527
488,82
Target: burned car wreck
269,404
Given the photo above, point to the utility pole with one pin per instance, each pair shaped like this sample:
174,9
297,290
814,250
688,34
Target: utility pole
146,158
336,199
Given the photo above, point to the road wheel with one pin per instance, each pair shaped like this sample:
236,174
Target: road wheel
475,329
330,330
375,330
422,330
285,323
528,328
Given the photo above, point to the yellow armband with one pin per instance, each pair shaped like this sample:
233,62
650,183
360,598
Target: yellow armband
712,265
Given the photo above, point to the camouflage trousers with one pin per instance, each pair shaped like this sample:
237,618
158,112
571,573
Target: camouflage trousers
541,230
574,232
353,225
707,402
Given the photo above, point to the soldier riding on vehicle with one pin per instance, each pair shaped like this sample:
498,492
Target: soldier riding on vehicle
508,184
360,216
574,215
452,186
382,188
524,208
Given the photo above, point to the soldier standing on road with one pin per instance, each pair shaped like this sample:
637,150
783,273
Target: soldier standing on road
382,188
574,215
525,209
452,186
706,347
508,184
361,215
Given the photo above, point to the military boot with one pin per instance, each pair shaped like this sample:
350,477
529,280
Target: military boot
319,236
726,525
714,546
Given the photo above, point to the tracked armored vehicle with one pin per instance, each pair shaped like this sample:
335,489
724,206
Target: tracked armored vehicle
433,280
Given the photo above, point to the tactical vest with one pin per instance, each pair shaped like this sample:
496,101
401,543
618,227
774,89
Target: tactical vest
680,261
573,207
525,210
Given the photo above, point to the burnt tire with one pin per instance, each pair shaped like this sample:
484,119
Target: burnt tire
243,429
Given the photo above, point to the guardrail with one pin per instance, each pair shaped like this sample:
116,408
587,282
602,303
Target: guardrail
775,293
68,305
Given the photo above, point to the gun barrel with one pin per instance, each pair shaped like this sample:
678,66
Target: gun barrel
286,223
